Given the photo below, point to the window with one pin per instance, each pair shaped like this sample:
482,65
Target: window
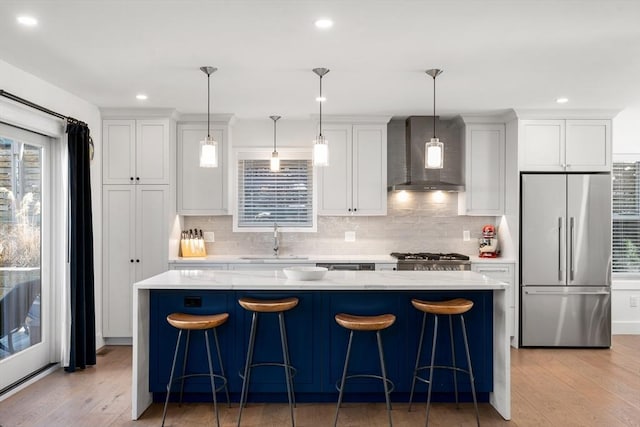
266,198
626,217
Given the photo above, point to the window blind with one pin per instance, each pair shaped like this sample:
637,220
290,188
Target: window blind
626,217
284,197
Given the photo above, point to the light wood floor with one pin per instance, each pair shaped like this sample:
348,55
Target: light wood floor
550,387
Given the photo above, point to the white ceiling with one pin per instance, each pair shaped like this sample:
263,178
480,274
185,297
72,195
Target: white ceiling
496,54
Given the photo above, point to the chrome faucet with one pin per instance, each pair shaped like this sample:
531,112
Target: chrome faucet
276,239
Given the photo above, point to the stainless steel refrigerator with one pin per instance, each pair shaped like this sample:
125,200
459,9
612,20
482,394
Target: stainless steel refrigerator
565,260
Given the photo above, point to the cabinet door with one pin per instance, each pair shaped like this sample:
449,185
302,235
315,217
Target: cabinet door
588,145
119,155
335,181
151,234
502,273
118,213
542,145
369,169
485,151
201,191
152,152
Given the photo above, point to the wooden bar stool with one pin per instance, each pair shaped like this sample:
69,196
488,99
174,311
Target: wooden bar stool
258,306
365,323
192,322
457,306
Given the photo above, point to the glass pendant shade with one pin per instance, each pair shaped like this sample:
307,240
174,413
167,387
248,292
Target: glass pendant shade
433,154
320,151
275,162
208,153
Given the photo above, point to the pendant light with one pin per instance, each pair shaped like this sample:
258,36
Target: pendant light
275,160
320,144
208,146
434,149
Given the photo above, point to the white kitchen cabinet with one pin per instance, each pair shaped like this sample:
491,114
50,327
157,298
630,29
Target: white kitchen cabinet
484,170
136,151
504,272
135,236
565,145
201,191
355,182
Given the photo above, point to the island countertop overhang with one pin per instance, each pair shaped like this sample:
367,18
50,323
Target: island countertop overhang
333,280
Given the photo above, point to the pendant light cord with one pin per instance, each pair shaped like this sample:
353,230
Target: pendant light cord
208,105
434,106
320,105
274,135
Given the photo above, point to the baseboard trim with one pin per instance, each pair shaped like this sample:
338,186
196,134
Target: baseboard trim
118,341
625,328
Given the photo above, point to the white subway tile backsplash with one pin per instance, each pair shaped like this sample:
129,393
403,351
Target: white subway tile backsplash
418,224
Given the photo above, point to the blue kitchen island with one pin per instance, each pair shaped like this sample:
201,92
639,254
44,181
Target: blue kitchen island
317,344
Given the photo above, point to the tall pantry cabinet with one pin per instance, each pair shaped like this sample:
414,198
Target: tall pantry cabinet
136,211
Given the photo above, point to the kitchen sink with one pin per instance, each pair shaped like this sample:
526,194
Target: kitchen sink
273,258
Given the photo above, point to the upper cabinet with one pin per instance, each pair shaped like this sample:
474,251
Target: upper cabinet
202,191
136,151
355,182
565,145
484,194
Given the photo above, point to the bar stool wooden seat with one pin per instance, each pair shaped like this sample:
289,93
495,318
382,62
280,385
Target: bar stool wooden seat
195,322
457,307
365,323
257,306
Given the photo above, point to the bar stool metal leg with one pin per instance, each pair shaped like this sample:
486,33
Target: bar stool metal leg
213,381
285,357
286,345
473,387
184,363
384,377
415,369
344,378
173,367
433,357
247,365
226,389
453,361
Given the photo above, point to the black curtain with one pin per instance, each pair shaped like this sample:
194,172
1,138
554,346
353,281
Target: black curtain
83,329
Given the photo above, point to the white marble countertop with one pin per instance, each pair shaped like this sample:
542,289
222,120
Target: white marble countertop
333,280
289,259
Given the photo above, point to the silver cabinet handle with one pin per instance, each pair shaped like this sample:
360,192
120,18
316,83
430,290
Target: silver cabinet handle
492,270
560,248
571,235
566,293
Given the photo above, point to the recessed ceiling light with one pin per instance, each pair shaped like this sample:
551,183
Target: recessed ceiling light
27,21
324,23
321,98
141,96
562,100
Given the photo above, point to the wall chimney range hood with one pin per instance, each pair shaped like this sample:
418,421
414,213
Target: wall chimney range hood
418,130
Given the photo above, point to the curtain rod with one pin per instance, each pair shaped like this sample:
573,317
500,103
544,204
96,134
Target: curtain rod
40,108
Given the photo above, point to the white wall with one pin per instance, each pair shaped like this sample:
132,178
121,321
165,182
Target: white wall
34,89
626,140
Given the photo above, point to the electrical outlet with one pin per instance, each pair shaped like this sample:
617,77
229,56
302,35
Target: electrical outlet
466,235
634,301
349,236
209,236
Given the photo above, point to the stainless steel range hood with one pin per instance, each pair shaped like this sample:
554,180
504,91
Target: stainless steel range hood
406,169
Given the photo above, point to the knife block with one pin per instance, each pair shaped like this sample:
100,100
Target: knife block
192,248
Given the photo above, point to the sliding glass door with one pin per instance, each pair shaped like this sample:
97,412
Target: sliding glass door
25,254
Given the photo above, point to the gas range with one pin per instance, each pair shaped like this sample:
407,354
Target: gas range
432,261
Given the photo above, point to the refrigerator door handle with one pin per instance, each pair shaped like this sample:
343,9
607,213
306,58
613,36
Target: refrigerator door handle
571,236
528,292
560,249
